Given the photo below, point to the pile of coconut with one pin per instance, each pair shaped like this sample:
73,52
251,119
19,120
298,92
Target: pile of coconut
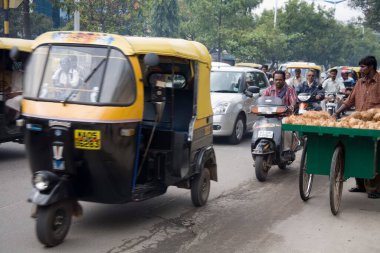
369,119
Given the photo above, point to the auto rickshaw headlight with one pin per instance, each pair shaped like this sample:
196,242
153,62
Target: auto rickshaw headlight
44,180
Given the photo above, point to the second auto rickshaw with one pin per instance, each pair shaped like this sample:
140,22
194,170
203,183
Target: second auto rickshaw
11,75
113,119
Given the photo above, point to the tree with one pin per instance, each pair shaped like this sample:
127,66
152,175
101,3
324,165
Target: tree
26,16
371,10
219,24
165,18
307,33
112,16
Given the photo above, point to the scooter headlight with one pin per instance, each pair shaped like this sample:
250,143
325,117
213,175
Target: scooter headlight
44,180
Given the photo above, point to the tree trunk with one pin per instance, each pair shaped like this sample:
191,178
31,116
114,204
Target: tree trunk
27,29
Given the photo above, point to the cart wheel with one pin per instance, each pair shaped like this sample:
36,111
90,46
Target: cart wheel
200,188
336,179
261,168
53,222
305,179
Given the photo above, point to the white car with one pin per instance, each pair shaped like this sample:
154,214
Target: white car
231,102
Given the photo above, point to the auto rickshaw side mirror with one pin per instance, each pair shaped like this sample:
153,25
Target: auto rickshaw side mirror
14,53
151,59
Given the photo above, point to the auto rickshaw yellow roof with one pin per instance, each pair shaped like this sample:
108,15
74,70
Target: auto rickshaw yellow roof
248,64
132,45
301,65
21,44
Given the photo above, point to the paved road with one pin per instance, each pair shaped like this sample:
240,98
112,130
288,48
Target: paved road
242,215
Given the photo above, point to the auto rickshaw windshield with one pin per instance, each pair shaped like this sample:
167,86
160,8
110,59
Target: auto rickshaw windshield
80,75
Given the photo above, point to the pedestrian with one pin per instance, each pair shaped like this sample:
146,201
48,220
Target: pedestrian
364,96
265,69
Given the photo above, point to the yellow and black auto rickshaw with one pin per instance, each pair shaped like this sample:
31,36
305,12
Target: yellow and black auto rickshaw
11,75
113,119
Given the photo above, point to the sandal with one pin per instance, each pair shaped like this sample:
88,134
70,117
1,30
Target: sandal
374,195
356,189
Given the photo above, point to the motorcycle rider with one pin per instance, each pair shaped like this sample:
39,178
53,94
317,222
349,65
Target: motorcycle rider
297,79
289,98
332,85
311,86
280,89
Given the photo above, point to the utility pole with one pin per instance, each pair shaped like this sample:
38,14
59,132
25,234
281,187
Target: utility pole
77,18
6,17
275,13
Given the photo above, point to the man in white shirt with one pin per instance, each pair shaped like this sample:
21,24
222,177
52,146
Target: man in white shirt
332,85
297,79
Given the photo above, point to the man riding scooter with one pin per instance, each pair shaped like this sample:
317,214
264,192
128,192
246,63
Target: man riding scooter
270,145
311,87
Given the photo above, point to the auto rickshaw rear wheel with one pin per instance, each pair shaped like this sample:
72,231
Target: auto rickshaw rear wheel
200,187
53,222
336,179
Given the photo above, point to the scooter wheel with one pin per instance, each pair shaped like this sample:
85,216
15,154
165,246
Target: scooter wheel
261,169
53,223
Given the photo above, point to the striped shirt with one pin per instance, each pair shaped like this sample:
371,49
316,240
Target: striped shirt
290,97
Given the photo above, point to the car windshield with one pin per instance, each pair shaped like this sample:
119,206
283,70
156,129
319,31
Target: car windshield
80,75
225,81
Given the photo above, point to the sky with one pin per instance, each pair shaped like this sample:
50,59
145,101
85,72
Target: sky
343,12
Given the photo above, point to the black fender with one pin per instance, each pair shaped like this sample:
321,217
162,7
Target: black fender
206,158
263,147
61,191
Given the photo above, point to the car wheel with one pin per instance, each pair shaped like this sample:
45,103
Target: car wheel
238,131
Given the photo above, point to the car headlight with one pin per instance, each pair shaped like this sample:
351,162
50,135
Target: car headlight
44,180
221,108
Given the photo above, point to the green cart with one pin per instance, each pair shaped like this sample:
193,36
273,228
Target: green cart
340,153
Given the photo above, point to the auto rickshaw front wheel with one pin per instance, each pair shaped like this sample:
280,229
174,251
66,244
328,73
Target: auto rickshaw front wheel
53,222
200,187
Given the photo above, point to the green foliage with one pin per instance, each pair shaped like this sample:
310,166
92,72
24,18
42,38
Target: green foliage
39,23
303,30
307,33
112,16
219,24
371,10
165,18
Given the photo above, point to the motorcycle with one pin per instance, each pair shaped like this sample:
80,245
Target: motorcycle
268,139
333,102
307,102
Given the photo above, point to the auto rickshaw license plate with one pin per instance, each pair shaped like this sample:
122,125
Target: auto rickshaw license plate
87,139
